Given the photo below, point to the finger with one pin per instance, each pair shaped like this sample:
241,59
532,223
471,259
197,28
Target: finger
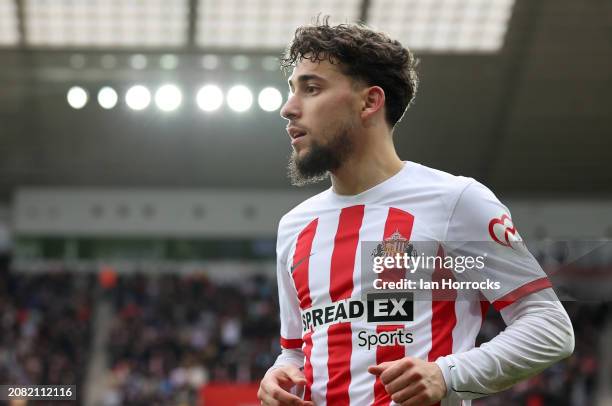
267,400
296,376
419,400
402,381
275,388
408,392
273,395
290,376
286,383
285,398
375,370
396,370
379,369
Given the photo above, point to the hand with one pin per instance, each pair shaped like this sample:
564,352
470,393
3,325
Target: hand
411,381
276,384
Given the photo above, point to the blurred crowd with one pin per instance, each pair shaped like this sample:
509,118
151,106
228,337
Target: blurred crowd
170,334
45,328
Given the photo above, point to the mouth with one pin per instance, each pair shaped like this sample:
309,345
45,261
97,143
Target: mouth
295,140
295,134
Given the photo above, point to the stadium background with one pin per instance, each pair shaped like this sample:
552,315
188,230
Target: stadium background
137,230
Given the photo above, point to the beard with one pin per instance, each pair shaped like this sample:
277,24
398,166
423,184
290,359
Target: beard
320,159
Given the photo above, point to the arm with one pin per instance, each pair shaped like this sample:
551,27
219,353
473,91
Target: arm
539,333
293,357
277,386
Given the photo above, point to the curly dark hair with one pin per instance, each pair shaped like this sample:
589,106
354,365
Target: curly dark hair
364,55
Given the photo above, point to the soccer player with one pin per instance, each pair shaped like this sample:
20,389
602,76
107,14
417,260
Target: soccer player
350,86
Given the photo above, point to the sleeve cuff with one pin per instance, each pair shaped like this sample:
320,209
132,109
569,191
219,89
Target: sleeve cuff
291,343
289,357
444,365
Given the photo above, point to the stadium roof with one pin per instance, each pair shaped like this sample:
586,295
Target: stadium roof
517,96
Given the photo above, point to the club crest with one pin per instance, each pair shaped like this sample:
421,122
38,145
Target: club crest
395,244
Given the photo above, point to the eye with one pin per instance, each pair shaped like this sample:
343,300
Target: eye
310,89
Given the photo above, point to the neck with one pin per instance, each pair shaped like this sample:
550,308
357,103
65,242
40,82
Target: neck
371,164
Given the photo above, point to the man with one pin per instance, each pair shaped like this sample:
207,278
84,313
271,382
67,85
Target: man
349,88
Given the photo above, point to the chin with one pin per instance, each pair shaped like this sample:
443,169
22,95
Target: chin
301,150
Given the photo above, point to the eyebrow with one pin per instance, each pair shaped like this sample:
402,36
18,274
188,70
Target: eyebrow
305,78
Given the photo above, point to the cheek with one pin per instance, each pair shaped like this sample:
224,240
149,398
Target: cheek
328,114
334,110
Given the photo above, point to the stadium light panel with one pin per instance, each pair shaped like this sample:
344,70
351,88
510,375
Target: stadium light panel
77,97
138,61
168,97
78,61
444,25
106,23
168,62
107,97
209,98
138,97
240,62
210,62
270,99
257,24
270,63
239,98
9,34
108,61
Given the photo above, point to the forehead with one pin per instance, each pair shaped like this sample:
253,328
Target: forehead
323,69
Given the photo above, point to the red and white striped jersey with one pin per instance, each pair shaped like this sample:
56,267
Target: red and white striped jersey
322,308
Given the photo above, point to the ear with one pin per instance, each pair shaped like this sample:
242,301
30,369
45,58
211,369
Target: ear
373,101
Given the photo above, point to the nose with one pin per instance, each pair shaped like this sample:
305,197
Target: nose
291,109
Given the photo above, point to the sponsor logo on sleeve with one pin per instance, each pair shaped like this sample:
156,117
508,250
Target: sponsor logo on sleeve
503,232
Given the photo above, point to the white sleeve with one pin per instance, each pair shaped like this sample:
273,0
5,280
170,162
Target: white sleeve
480,225
290,319
290,357
539,333
290,316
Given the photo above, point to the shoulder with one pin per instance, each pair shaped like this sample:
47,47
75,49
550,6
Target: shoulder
438,178
470,208
478,215
440,185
